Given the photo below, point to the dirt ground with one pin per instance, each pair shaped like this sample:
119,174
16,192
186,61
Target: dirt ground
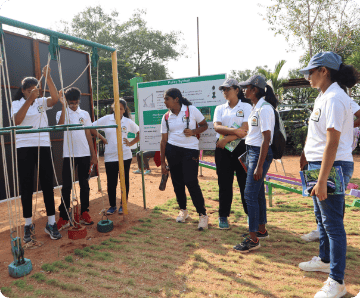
52,250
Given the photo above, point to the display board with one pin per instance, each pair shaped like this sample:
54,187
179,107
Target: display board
203,92
26,57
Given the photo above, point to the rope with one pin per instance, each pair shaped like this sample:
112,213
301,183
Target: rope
14,168
78,76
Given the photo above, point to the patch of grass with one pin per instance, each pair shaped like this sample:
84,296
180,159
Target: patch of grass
69,259
7,291
22,285
81,253
49,268
38,276
61,265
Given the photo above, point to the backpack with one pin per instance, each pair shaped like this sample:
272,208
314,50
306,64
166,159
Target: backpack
187,115
279,138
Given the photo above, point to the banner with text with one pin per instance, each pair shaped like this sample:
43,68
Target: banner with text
203,92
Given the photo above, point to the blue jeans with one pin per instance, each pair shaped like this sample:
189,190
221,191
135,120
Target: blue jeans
329,214
254,190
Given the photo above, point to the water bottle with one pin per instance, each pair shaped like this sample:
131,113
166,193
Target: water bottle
164,179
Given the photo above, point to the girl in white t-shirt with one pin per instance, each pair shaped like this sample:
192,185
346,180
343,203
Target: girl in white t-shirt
181,147
111,152
259,157
328,144
29,109
231,125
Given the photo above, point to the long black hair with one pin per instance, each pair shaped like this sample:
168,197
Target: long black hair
174,92
268,93
346,76
25,84
241,95
126,108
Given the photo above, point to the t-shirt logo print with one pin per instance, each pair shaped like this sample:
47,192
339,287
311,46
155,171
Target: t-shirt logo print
240,113
82,120
40,109
315,116
254,121
123,129
184,119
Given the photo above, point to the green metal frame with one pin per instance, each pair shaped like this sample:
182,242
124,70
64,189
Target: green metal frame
53,34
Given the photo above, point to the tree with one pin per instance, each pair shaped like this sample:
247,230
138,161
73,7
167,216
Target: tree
305,22
274,77
243,75
144,48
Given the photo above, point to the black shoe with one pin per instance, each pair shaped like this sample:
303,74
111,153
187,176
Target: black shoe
52,230
247,245
258,234
28,231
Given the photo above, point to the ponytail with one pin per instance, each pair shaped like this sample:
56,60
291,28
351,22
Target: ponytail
268,94
25,84
175,93
346,76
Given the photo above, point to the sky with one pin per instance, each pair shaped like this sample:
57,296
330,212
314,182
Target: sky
233,34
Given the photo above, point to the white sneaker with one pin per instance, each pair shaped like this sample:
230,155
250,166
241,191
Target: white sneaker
332,289
312,236
357,296
203,222
183,215
315,265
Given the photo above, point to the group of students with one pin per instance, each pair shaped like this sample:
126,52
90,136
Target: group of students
247,116
33,150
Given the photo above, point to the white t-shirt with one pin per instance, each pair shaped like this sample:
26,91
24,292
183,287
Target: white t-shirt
228,116
75,139
331,110
177,124
127,125
262,118
354,106
35,117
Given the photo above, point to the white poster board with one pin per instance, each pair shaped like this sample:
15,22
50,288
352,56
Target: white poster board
203,92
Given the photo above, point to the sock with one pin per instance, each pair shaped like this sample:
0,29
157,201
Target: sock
326,262
28,221
51,220
339,281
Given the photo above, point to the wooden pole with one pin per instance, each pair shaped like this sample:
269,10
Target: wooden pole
118,131
198,46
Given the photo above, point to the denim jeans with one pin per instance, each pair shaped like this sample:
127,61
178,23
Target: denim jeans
329,214
254,190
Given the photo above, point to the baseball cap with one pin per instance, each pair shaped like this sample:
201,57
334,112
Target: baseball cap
228,83
327,59
255,80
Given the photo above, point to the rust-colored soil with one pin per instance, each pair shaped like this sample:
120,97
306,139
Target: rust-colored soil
52,250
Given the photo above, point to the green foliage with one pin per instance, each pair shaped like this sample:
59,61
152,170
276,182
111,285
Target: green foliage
274,77
243,75
299,138
69,259
141,51
316,25
49,268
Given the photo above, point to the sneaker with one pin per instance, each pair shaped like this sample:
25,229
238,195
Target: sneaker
312,236
357,296
138,171
247,245
183,215
111,210
223,223
315,265
28,232
86,219
52,230
147,172
62,224
120,210
203,222
259,234
332,289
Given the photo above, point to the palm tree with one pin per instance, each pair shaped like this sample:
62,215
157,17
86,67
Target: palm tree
274,77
